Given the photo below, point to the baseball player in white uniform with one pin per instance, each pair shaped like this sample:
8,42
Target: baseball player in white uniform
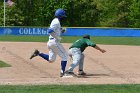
54,46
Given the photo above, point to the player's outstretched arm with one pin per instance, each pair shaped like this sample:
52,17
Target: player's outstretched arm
98,48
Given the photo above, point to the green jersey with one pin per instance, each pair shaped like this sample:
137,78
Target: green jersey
82,44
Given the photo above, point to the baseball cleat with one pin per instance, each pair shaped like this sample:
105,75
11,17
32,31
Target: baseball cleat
81,73
61,74
35,53
67,73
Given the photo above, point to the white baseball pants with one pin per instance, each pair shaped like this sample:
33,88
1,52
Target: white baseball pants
56,48
77,58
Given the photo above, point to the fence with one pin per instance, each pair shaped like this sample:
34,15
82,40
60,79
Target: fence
125,32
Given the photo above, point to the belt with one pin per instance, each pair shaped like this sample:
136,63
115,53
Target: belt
51,38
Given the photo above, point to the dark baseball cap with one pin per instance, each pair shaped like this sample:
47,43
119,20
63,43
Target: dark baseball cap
86,36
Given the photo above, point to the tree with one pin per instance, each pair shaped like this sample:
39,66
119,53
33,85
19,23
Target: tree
134,15
122,13
13,16
107,15
80,13
84,13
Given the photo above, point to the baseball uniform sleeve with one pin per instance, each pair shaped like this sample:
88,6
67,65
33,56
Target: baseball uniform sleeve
90,43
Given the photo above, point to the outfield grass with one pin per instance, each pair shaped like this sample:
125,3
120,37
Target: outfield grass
70,89
70,39
3,64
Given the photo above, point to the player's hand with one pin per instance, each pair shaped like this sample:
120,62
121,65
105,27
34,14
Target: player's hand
63,30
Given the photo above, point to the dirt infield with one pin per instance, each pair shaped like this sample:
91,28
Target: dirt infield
119,65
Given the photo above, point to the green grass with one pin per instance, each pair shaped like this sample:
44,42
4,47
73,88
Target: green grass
70,39
24,38
3,64
70,89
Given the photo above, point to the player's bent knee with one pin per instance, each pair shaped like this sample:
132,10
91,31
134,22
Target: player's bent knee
51,60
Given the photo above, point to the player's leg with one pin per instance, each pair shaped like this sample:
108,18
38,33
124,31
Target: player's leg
81,64
76,56
49,57
37,53
52,51
45,56
63,54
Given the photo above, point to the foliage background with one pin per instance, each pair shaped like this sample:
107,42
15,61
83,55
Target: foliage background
81,13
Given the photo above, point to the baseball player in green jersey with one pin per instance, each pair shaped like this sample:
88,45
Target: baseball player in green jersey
76,53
